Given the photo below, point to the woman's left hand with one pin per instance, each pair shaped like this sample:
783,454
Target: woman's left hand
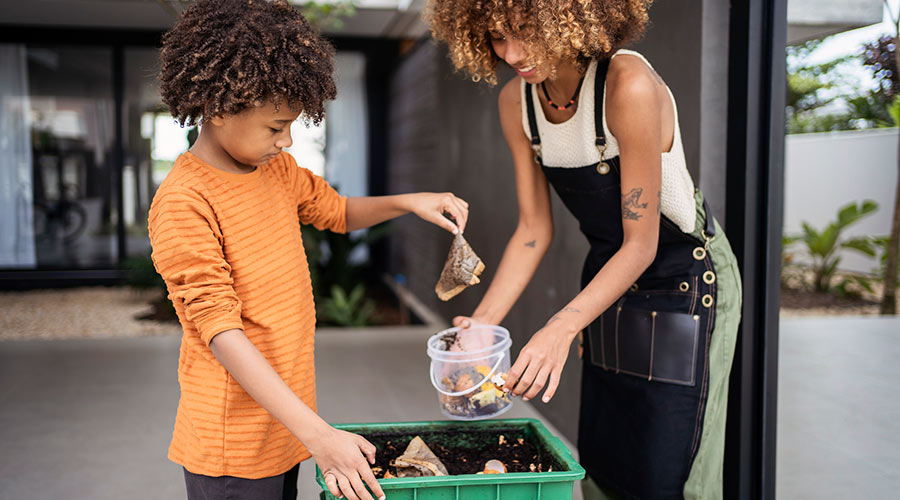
542,359
432,207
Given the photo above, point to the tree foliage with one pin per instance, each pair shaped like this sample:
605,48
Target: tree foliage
822,97
878,57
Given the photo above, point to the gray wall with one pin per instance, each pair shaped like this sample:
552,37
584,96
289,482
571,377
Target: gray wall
445,136
823,172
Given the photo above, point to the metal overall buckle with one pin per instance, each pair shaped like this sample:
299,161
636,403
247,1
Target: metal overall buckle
537,152
699,253
602,167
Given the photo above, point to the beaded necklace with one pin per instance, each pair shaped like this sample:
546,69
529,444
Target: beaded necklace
571,101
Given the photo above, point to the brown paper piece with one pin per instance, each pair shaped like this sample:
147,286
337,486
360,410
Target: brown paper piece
418,460
461,269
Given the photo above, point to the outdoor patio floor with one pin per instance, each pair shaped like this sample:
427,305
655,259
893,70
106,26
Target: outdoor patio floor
839,408
91,419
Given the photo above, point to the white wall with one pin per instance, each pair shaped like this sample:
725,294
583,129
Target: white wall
823,172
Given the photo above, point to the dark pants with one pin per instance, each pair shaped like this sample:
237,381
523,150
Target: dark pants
280,487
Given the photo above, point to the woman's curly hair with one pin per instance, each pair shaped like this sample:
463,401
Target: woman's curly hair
224,56
552,29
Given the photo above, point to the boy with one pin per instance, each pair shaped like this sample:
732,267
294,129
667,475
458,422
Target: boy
225,230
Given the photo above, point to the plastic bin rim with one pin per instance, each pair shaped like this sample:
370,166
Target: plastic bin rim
502,345
575,470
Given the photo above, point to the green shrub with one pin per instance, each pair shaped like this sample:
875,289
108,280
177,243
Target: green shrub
142,274
332,273
348,310
823,245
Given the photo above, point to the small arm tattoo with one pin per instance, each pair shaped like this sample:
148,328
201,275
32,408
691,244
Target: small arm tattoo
632,202
531,244
565,310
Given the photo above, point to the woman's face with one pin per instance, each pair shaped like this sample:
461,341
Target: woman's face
515,53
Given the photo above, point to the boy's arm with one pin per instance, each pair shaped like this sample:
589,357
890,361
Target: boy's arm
337,452
321,206
188,254
363,212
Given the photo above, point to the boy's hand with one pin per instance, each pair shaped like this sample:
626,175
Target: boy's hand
342,457
432,207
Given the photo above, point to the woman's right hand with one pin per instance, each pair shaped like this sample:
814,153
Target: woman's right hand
468,321
343,456
463,321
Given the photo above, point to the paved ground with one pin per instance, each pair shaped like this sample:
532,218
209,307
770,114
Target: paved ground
91,419
839,408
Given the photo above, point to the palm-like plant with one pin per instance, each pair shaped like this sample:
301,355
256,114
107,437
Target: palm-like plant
823,245
353,309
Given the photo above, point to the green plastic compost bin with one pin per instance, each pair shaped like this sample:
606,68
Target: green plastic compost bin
555,485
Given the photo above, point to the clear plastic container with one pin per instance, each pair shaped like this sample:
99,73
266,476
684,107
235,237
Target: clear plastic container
465,364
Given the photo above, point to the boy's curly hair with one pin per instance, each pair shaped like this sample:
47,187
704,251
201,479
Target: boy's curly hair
552,29
224,56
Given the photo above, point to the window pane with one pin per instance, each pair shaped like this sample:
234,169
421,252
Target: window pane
71,119
152,141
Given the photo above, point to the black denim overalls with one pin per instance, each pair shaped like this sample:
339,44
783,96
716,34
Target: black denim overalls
646,362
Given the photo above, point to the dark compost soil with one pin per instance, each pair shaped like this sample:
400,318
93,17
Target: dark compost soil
466,452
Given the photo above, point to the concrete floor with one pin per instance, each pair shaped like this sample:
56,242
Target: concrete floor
91,419
839,408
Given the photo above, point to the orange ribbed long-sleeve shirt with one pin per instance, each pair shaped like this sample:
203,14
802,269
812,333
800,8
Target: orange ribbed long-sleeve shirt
228,247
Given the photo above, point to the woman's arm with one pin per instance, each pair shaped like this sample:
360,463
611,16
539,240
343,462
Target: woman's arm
534,231
363,212
634,116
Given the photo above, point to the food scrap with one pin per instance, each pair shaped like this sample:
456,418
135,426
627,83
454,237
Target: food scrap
494,467
461,269
487,398
418,460
499,379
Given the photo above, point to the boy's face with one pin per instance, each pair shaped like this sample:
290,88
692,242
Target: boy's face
257,134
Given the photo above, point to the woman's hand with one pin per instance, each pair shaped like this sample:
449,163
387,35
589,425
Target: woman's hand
342,457
467,321
542,359
432,207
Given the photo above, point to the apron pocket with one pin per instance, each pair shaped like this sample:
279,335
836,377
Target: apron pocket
655,345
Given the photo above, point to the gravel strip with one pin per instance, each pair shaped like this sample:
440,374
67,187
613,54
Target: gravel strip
96,312
110,312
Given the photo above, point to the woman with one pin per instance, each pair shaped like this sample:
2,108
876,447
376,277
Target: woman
660,299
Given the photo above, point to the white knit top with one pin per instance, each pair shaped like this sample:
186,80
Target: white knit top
570,144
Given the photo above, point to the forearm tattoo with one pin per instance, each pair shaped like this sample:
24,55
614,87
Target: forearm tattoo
565,310
531,243
631,202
